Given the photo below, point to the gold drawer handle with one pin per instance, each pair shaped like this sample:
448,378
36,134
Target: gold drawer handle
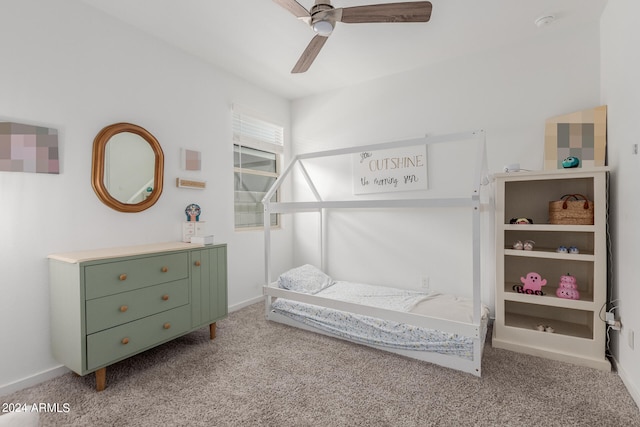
164,269
166,325
125,341
123,308
123,277
197,263
165,297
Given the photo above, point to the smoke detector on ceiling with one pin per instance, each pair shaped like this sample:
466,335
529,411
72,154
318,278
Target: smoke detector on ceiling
544,20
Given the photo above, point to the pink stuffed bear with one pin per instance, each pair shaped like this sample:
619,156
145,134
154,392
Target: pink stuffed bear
568,288
533,284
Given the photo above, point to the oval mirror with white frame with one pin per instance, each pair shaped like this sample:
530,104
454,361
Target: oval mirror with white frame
127,167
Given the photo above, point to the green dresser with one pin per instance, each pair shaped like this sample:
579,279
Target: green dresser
107,305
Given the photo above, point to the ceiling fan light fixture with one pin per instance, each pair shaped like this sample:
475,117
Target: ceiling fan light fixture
323,28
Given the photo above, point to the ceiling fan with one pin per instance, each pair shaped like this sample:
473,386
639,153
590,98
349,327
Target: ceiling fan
323,17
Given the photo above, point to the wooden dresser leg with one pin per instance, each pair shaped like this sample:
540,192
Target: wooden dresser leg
212,331
101,378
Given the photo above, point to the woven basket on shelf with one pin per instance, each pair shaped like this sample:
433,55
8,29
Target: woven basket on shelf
578,211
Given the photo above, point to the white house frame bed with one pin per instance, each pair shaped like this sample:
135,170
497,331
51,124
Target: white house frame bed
472,331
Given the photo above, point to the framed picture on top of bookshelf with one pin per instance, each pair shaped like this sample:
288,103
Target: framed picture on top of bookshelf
581,135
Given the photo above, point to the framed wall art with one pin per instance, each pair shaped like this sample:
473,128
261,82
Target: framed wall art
390,170
191,160
582,135
27,148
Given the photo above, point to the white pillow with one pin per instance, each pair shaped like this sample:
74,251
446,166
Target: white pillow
306,279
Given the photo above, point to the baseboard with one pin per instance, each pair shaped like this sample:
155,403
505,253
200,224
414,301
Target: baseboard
628,383
32,380
246,303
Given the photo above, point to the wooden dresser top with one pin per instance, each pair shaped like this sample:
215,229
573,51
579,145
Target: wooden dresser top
94,254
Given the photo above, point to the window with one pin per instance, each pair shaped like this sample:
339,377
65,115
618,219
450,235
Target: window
257,146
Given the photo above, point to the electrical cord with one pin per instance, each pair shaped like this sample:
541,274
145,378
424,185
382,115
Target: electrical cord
609,250
600,313
610,277
507,170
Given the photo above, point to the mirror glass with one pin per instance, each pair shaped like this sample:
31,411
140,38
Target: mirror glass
129,164
127,167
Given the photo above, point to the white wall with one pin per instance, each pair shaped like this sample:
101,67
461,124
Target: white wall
69,67
508,92
620,38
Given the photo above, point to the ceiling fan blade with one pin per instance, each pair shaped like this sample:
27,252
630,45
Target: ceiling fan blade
294,7
418,11
309,54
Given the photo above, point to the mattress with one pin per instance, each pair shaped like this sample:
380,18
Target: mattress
378,332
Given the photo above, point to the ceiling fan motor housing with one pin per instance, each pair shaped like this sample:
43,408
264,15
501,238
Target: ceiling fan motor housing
321,22
320,6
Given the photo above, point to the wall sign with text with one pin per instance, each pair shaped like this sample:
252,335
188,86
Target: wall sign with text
395,169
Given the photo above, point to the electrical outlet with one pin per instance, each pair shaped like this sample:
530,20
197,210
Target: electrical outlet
630,338
424,282
617,325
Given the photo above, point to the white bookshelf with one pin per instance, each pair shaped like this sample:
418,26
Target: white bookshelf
579,331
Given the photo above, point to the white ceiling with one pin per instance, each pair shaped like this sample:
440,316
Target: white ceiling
260,41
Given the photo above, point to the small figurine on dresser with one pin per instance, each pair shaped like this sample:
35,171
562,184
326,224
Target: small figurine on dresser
194,230
193,212
568,288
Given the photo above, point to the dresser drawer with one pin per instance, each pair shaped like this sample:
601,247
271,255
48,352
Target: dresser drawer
113,310
121,276
116,343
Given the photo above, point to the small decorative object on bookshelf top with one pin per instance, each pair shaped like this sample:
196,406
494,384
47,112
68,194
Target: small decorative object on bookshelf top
570,162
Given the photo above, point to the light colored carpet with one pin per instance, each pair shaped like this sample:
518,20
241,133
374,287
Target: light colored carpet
260,373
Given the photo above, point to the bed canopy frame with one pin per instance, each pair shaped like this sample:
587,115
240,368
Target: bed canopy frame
471,201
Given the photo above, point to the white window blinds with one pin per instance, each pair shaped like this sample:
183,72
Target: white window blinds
249,130
257,148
